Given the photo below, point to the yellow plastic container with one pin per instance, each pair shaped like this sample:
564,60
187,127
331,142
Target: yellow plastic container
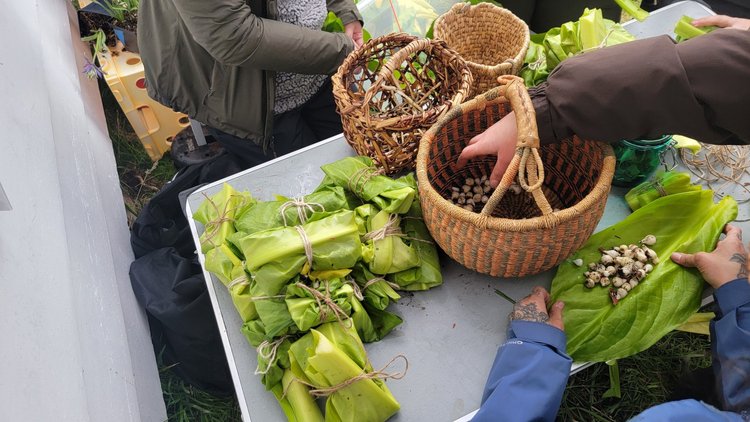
154,124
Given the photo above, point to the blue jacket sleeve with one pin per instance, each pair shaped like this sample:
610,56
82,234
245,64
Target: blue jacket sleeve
730,333
685,410
528,377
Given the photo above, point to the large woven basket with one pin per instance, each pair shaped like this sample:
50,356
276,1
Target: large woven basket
390,91
491,39
514,235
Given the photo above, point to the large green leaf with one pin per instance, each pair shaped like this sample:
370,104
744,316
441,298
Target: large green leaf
333,355
359,175
287,211
217,215
427,274
309,311
334,240
599,331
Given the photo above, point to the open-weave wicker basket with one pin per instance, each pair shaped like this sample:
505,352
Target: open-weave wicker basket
492,40
513,235
390,91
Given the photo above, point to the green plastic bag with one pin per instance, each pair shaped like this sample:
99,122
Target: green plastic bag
597,330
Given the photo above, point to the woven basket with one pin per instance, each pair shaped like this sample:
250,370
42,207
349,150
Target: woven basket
492,40
513,235
390,91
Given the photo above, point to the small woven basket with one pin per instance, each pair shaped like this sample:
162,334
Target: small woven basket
390,91
492,40
513,235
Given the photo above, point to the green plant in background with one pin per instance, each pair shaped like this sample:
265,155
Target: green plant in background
121,10
98,41
334,24
116,12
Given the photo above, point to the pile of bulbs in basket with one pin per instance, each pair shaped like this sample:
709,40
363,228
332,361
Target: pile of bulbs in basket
621,267
475,192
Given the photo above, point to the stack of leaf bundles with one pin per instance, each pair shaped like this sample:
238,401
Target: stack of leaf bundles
311,278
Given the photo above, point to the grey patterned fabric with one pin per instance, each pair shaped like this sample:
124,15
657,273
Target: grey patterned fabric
294,89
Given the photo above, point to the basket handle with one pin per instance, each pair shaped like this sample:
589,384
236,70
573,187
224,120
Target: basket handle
526,163
386,72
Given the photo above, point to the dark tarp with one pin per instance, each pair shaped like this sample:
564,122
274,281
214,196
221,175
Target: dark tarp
168,282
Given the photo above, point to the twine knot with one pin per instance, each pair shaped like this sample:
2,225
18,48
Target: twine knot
302,208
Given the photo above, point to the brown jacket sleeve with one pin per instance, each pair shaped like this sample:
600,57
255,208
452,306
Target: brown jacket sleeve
346,10
644,89
230,32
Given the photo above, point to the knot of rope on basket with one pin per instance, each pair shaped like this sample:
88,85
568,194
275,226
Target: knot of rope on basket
302,208
534,168
376,374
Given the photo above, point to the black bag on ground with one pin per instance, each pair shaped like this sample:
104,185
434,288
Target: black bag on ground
161,223
183,326
168,282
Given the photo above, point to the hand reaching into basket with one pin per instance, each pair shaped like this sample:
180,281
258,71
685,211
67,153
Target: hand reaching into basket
723,21
500,140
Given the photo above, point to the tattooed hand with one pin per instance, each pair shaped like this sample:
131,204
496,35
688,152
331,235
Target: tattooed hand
726,263
534,308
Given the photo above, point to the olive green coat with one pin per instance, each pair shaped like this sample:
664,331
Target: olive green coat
214,60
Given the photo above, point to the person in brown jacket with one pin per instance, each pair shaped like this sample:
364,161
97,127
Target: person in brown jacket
640,90
254,71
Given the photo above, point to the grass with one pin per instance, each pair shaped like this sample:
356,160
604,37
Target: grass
186,403
140,178
647,379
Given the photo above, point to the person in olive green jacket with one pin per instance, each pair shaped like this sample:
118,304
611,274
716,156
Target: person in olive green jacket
221,62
